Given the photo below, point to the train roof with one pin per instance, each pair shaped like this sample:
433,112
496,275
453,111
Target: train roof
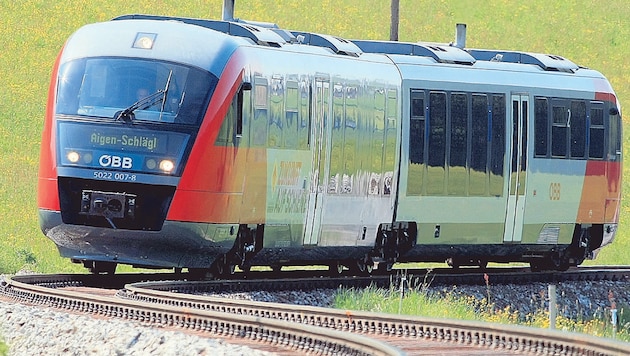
266,34
263,34
446,53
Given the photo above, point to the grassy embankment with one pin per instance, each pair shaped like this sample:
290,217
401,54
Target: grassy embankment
417,300
592,34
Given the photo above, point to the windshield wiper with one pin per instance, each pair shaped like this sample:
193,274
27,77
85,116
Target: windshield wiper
128,116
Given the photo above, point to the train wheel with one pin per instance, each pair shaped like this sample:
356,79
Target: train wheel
365,265
559,261
222,266
556,261
369,267
453,263
360,266
535,266
335,269
224,269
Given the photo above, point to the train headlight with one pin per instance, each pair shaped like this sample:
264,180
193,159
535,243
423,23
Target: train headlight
167,165
73,156
78,157
151,163
144,40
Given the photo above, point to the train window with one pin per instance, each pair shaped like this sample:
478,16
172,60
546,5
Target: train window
437,143
246,117
351,134
161,91
276,103
525,122
417,104
259,123
559,129
378,139
416,143
350,140
497,154
459,130
336,151
226,132
304,115
578,129
614,135
260,93
596,132
478,176
458,144
541,126
291,116
389,154
232,127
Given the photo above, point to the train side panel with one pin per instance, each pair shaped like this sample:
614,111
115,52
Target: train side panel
485,182
329,186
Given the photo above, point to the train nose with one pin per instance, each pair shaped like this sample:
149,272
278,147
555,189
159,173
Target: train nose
108,205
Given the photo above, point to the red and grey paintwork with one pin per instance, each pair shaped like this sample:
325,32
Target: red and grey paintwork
291,148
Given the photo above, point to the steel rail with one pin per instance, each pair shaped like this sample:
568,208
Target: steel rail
295,336
468,276
491,335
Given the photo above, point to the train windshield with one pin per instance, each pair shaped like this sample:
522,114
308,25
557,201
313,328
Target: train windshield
152,90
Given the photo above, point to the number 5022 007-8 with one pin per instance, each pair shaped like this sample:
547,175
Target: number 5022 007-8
115,176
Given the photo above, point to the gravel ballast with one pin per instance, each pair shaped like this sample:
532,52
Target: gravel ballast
32,330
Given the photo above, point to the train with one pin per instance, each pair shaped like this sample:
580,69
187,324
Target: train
206,145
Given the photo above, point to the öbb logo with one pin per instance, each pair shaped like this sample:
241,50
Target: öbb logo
115,161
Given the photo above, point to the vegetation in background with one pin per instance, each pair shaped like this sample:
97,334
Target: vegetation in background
592,34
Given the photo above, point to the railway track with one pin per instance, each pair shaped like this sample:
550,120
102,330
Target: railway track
148,298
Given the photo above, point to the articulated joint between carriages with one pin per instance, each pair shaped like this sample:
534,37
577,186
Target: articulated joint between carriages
393,240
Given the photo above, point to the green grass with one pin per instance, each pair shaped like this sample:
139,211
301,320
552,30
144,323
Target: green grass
419,301
592,34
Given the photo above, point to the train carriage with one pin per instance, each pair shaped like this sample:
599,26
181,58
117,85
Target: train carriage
202,144
514,161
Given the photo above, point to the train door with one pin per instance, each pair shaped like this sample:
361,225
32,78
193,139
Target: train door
518,174
613,166
319,146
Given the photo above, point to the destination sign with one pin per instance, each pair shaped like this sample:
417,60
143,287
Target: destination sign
133,141
117,139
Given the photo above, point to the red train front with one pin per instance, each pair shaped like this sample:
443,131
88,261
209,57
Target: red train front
126,108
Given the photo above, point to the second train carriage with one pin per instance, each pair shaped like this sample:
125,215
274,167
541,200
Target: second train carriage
261,146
